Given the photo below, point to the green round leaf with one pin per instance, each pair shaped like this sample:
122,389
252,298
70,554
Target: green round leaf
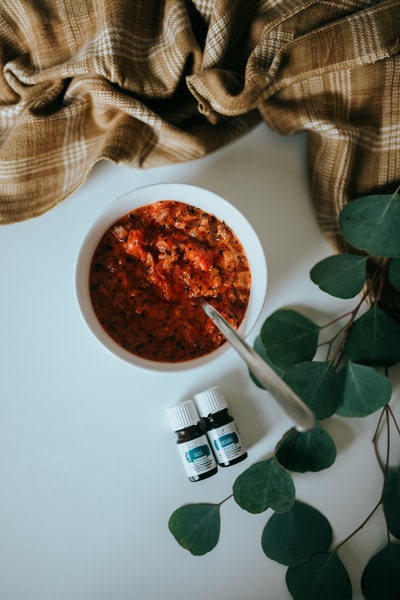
291,538
342,276
304,451
374,339
394,273
260,349
363,390
372,223
391,501
289,337
196,527
323,577
317,384
381,577
265,484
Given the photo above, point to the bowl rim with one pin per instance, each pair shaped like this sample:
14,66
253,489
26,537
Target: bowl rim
200,197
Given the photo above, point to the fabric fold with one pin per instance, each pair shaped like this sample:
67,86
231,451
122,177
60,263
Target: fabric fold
146,83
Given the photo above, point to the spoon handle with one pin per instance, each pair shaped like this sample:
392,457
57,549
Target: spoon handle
289,401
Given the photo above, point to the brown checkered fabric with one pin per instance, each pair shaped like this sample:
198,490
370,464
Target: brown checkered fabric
150,82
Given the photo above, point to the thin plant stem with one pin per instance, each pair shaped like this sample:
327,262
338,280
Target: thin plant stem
385,416
353,533
225,499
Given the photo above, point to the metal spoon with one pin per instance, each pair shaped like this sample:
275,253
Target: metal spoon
289,401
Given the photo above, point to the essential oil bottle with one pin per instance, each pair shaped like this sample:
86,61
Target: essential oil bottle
193,445
220,427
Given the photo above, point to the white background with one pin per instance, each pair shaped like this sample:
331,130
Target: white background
89,470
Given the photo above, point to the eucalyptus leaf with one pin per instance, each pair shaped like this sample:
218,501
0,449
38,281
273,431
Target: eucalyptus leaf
391,502
289,337
394,273
342,276
260,349
363,390
291,538
374,339
324,576
196,527
372,223
381,577
264,485
317,384
304,451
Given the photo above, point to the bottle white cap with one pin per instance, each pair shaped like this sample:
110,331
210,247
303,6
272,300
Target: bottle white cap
210,401
183,415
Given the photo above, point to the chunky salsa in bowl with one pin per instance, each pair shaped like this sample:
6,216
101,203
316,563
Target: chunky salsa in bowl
150,259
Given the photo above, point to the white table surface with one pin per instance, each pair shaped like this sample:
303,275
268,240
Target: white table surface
89,470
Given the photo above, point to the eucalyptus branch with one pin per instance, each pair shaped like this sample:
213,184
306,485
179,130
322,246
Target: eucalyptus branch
394,420
361,526
385,415
225,500
344,329
376,436
383,269
290,341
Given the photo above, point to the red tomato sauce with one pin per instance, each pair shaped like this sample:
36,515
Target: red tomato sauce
151,268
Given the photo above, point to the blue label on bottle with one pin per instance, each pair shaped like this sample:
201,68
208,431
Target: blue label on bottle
226,440
197,453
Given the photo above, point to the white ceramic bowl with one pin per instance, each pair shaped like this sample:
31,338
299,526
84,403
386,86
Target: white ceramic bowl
198,197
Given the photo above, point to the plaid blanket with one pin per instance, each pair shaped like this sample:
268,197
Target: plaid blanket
150,82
